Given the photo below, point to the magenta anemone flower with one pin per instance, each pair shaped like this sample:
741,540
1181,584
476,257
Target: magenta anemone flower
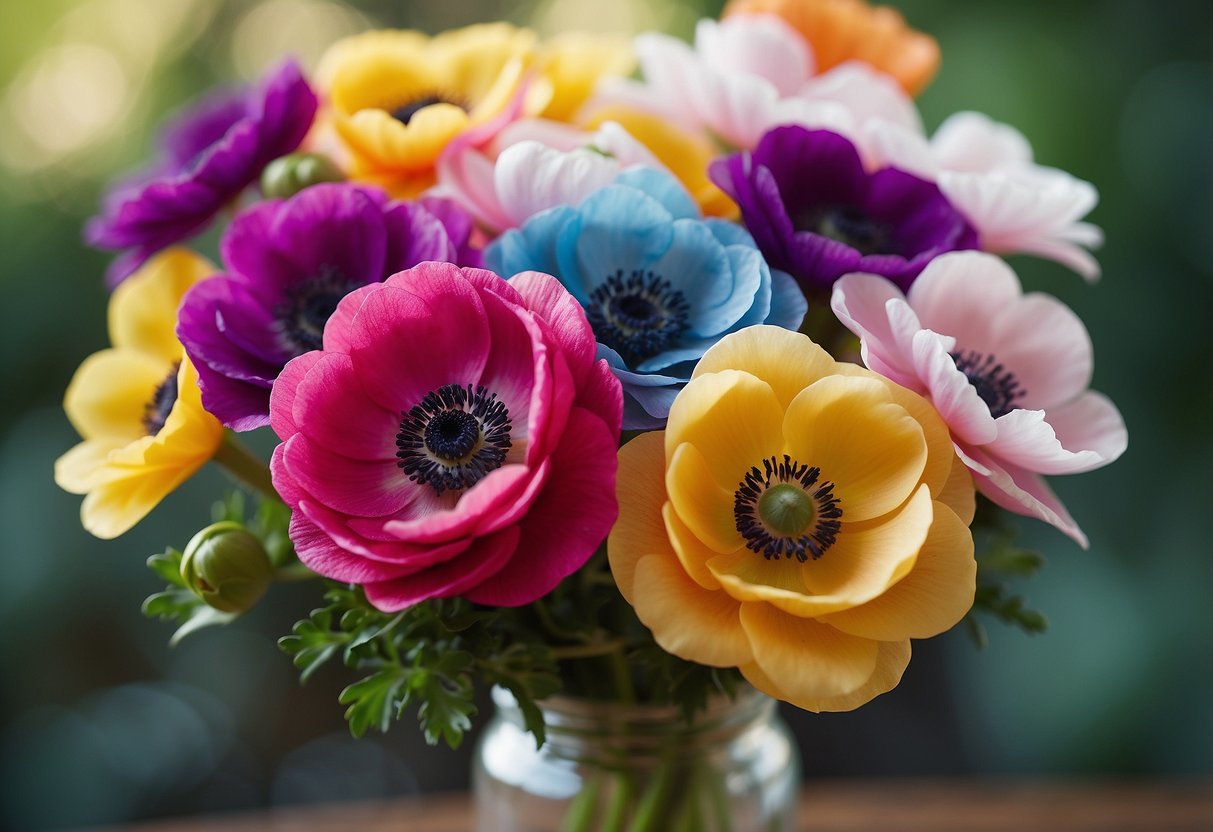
817,214
210,154
288,264
454,437
1008,372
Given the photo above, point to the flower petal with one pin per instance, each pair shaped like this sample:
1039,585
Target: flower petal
640,490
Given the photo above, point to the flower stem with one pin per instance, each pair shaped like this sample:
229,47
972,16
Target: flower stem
244,466
590,650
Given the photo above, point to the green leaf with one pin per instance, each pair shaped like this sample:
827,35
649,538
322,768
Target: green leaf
374,701
167,566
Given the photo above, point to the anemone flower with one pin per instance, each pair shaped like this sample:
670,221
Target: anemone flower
817,214
289,263
136,405
799,518
211,153
659,285
1007,371
453,437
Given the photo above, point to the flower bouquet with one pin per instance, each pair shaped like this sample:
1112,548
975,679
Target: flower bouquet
641,381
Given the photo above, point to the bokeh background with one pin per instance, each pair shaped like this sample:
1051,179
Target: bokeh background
100,721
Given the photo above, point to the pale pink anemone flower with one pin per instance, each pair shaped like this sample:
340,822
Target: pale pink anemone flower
986,170
454,437
535,164
1008,372
750,73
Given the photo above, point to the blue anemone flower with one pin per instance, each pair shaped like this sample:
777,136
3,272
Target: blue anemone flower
659,284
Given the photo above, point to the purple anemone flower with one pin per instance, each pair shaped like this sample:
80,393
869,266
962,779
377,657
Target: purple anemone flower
209,154
817,214
288,264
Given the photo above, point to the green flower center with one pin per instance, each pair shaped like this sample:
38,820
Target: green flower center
785,510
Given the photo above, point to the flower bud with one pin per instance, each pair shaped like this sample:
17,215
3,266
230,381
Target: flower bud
227,567
288,175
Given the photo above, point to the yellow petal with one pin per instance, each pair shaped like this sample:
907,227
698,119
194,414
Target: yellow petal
365,46
640,490
471,59
705,507
143,309
787,361
392,145
83,467
931,598
508,79
803,659
384,77
113,508
891,661
109,394
870,448
691,552
958,493
733,418
189,430
575,62
867,558
687,620
748,576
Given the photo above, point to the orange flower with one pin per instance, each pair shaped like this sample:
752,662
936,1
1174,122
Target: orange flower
851,30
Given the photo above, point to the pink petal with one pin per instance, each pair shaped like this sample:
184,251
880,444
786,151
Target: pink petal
602,395
759,45
1021,492
282,396
1091,422
323,556
546,297
967,415
465,175
567,522
497,492
530,177
896,146
518,349
332,410
1046,346
367,539
960,293
366,489
974,142
337,329
1027,441
862,303
425,329
479,564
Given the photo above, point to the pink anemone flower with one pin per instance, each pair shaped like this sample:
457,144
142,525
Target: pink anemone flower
453,437
1008,372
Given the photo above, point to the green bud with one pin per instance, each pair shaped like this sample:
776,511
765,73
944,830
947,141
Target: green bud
227,567
288,175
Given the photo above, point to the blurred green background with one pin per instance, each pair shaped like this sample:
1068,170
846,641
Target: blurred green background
100,721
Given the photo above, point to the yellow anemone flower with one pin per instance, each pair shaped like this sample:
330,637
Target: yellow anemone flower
799,518
852,30
396,99
137,405
574,62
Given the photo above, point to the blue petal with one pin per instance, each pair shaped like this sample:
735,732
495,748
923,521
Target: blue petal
533,248
788,303
621,229
730,233
700,267
664,188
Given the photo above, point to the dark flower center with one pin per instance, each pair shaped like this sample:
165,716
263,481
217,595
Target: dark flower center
405,112
782,511
996,385
638,316
307,307
453,437
849,225
156,411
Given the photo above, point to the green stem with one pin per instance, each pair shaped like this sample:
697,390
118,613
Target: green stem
593,649
621,800
622,675
244,466
294,571
650,814
584,808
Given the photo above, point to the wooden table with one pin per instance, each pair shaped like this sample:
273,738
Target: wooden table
825,806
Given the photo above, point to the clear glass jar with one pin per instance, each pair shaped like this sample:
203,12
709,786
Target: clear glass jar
612,767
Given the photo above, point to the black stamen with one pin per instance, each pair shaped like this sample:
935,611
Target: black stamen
453,437
812,543
996,385
638,316
405,112
156,411
307,307
849,225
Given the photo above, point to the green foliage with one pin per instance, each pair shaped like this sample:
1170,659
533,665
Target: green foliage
431,656
675,681
1000,563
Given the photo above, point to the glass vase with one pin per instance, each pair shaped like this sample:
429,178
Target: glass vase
613,767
